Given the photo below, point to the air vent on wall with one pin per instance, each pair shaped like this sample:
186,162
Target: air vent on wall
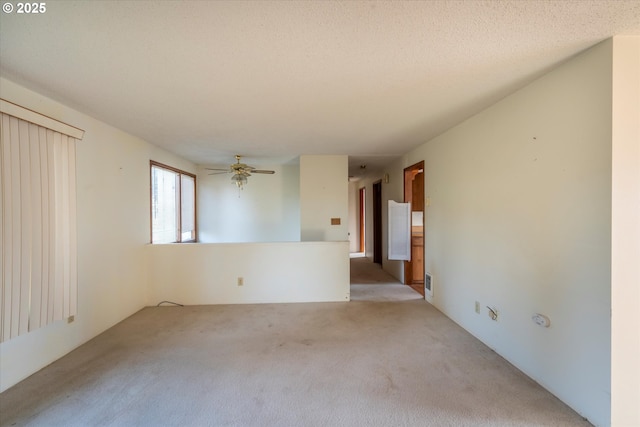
428,285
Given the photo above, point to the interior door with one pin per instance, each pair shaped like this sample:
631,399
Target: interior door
377,222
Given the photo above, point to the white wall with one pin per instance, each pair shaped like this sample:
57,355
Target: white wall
113,229
324,195
625,251
267,209
520,219
271,272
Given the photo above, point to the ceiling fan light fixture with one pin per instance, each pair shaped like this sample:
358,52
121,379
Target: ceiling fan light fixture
240,172
239,179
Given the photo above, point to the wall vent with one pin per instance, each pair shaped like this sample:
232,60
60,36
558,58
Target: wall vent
428,284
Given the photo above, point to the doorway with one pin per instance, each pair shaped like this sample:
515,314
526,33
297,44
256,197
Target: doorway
377,222
414,194
363,216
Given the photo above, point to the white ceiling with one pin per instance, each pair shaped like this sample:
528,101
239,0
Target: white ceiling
272,79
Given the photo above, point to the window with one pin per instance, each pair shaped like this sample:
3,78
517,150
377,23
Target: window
173,205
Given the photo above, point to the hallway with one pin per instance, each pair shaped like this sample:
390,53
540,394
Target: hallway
369,282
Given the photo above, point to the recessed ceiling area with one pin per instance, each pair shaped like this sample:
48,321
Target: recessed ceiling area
372,80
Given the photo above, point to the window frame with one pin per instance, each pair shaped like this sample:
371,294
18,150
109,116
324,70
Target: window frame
180,172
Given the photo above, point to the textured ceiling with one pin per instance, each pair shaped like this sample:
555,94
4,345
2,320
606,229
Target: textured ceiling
272,80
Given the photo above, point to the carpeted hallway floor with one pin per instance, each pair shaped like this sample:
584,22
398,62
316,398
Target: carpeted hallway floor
366,278
379,360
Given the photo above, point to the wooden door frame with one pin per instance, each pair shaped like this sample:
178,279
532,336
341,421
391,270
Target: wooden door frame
409,174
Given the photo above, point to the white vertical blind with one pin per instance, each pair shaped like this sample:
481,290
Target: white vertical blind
38,223
399,231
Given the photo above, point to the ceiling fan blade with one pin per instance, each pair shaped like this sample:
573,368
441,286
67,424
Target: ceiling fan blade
263,171
219,173
218,169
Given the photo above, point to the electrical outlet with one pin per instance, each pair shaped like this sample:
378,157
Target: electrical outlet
477,307
541,320
240,281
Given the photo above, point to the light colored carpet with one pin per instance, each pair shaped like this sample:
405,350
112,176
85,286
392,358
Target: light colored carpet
361,363
366,281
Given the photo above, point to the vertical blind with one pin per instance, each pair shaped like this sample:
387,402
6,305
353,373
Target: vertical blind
38,220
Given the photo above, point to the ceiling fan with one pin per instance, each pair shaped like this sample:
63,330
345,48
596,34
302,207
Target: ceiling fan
240,171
